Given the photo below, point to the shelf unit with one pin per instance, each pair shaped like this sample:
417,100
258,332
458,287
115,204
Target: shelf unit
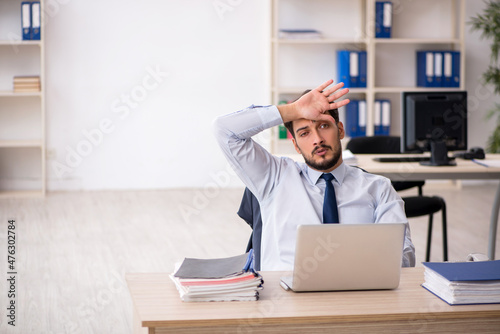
298,65
22,114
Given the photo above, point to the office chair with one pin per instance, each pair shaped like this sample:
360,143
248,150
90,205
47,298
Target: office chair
415,206
249,211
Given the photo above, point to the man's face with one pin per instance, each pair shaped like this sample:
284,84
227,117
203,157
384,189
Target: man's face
319,143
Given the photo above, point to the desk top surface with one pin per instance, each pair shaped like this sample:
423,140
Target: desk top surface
413,171
157,303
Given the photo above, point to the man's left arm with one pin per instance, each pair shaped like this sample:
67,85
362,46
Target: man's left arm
390,209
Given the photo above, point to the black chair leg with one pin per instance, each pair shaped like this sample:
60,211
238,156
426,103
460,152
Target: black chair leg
445,233
429,239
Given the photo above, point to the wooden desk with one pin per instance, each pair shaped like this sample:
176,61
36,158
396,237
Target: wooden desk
408,309
464,170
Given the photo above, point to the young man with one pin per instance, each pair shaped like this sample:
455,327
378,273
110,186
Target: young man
292,193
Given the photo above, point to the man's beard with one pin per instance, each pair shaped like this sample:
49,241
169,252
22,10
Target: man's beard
324,164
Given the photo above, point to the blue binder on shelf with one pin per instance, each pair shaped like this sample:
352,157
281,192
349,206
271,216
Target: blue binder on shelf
343,67
362,118
356,118
35,20
362,68
425,69
354,69
438,69
348,67
451,69
26,20
383,19
377,118
455,68
386,117
351,119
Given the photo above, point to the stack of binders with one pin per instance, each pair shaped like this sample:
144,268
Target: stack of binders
30,20
464,282
224,279
351,68
438,68
25,84
383,19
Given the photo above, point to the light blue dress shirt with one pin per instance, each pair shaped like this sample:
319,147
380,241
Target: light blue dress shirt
291,194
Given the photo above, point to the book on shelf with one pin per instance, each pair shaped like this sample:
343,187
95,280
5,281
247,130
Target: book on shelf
222,279
459,283
26,84
299,34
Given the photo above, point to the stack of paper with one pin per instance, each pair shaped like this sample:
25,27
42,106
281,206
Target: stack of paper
225,279
464,282
26,84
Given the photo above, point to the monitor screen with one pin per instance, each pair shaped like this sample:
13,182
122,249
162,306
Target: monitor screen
434,117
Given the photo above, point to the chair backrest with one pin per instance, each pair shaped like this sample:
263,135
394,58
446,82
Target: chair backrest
374,145
249,211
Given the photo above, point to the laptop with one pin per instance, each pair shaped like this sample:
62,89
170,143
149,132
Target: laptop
333,257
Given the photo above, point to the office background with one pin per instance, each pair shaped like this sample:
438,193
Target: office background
150,76
160,72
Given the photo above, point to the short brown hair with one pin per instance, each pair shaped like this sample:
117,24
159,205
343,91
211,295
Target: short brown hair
333,112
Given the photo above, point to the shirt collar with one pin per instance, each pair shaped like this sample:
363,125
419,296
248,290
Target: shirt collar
338,172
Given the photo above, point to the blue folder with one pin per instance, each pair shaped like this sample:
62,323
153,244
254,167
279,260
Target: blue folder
451,69
35,20
352,121
387,21
362,114
425,69
344,67
386,117
26,20
467,271
377,118
438,69
379,19
362,68
383,19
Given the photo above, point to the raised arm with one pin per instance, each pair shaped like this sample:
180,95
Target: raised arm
315,103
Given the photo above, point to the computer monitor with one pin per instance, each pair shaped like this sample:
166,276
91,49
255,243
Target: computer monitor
435,122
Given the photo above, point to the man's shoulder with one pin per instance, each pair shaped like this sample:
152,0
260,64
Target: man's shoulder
360,172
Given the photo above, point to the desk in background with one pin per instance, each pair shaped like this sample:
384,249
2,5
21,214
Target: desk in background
464,170
408,309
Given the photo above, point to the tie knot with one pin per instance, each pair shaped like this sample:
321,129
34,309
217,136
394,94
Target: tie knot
327,177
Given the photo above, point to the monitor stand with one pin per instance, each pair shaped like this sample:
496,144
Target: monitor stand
439,155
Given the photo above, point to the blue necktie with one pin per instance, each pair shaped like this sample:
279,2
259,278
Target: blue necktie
330,210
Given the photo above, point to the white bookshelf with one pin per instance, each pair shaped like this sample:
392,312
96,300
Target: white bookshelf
22,114
298,65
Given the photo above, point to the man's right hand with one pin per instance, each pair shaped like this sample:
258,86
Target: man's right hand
315,103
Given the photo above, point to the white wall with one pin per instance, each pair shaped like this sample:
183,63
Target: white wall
99,60
112,124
